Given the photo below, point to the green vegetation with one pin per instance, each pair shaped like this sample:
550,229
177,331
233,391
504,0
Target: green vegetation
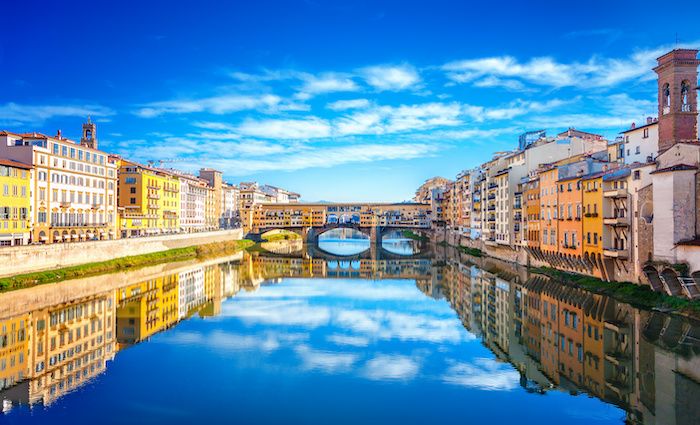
281,236
474,252
123,263
637,295
415,236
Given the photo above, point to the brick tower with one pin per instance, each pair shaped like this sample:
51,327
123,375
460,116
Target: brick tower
677,73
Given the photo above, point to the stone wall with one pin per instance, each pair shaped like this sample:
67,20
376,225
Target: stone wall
31,258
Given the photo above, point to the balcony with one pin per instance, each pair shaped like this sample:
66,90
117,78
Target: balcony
491,196
491,208
153,196
616,221
153,186
615,253
95,206
615,193
493,186
66,204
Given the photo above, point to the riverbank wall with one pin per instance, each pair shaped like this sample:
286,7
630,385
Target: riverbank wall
33,258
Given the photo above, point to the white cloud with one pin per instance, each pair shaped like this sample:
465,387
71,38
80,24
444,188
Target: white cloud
596,72
484,374
270,312
341,105
216,105
327,83
391,77
326,361
307,128
352,340
230,341
391,367
17,114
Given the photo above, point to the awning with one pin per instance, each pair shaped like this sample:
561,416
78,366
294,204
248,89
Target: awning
75,236
66,236
43,238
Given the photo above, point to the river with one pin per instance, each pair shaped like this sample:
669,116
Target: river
405,335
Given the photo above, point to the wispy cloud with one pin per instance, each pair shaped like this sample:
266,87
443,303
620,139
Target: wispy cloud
391,367
484,374
307,128
19,114
341,105
215,105
596,72
391,77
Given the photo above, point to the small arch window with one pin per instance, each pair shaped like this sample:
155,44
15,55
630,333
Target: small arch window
685,93
666,98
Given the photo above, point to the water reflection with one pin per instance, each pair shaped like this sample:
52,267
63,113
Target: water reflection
343,241
325,334
348,241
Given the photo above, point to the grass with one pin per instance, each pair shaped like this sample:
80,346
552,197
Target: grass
415,236
474,252
123,263
281,236
637,295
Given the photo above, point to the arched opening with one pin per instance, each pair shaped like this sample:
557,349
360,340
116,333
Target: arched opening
673,284
653,278
343,241
42,237
685,96
666,98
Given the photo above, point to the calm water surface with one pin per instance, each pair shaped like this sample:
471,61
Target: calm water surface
270,338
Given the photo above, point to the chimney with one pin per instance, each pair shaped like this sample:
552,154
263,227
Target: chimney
649,120
58,134
633,126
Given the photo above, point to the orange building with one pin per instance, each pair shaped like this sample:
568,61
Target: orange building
549,243
570,227
532,212
571,353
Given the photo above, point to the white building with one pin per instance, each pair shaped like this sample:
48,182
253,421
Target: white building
74,185
641,144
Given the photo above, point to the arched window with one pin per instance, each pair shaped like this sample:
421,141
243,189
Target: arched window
666,93
685,92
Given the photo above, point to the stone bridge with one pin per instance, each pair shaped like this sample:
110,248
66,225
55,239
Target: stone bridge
311,220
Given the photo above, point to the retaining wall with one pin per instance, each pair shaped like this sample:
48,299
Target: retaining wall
30,258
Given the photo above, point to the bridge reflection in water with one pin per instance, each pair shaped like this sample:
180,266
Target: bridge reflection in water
57,338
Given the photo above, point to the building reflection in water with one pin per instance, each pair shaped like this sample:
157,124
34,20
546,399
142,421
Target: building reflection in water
55,339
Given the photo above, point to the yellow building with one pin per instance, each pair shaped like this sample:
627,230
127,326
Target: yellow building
15,203
592,201
145,308
14,347
70,343
149,200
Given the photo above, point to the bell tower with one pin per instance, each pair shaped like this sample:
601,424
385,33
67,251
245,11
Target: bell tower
89,138
677,73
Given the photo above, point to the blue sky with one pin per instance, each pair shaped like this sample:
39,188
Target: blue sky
358,100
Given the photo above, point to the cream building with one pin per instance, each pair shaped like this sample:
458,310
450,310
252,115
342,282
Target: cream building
193,200
229,206
73,187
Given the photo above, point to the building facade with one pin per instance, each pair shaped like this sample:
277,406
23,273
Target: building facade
73,186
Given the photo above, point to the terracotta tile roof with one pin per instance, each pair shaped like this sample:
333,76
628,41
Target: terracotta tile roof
10,163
